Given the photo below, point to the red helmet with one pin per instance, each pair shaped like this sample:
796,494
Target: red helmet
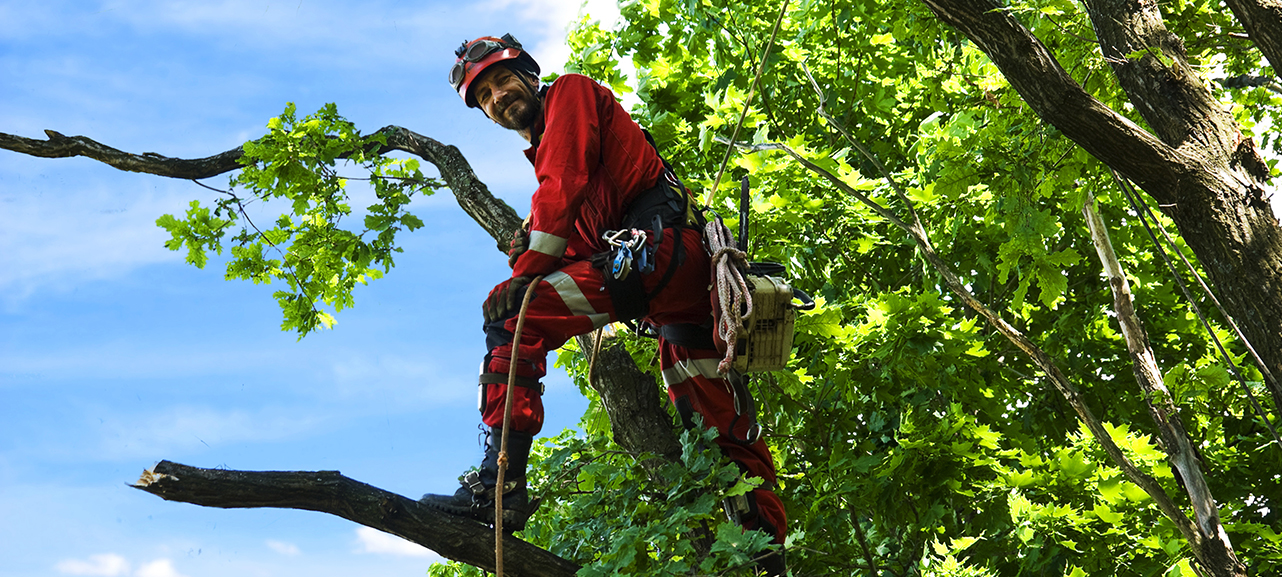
475,56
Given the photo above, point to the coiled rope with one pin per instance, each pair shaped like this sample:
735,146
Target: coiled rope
728,264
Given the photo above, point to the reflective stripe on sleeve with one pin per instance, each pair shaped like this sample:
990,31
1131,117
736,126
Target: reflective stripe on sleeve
547,243
683,370
574,300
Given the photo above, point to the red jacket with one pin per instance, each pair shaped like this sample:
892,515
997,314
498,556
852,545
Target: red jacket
591,161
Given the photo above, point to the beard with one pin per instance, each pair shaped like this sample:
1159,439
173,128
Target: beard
521,113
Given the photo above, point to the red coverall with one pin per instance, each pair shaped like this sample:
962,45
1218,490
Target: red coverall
591,161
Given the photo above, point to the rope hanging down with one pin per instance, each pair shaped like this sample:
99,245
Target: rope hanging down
707,201
507,419
1141,209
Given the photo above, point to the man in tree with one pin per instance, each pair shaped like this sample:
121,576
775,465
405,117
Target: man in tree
598,173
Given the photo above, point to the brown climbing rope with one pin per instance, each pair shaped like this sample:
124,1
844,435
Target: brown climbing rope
507,419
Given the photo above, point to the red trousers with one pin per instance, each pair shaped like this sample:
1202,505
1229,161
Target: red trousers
573,301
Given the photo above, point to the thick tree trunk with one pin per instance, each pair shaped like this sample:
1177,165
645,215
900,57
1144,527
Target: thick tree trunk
1153,69
638,419
1209,184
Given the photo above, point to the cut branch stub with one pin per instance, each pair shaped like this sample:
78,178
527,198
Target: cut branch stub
451,536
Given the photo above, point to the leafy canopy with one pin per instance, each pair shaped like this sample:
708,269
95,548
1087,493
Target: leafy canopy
910,437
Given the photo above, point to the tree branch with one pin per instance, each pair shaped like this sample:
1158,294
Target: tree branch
59,146
494,215
1160,83
1212,548
453,537
1262,20
1049,90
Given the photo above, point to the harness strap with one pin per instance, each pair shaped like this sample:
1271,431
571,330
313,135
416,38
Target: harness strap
688,335
678,256
744,406
502,379
626,294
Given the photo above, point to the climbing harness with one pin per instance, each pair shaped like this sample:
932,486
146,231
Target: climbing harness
628,245
666,209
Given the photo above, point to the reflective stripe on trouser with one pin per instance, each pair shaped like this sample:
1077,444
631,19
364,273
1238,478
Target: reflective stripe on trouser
573,301
694,384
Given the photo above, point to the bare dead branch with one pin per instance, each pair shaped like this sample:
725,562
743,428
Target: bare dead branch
495,216
59,146
330,492
1212,547
1039,357
1209,185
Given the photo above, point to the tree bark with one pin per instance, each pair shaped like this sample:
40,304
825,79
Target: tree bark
1152,67
642,423
454,537
1209,185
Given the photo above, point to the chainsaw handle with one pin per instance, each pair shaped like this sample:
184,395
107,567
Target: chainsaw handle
807,303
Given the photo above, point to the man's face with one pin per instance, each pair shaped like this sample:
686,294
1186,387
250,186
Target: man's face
506,99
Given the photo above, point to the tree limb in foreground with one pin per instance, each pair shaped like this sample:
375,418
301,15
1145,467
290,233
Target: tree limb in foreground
495,216
453,537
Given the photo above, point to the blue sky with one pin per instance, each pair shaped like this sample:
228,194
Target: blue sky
114,354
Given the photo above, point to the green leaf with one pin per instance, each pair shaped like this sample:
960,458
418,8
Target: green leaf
1107,515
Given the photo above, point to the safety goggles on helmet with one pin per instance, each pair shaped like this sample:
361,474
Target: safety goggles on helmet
476,51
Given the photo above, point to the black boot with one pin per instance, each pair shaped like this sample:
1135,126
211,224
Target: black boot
475,498
772,564
743,511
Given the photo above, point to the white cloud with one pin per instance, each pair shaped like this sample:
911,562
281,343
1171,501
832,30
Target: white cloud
103,565
113,565
374,541
89,235
282,547
184,428
158,568
550,20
